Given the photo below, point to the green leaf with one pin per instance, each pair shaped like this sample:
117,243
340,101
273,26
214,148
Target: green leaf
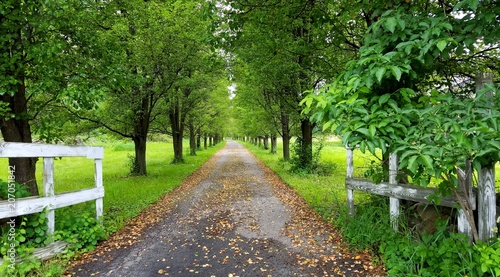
441,45
371,146
363,131
352,98
484,268
495,144
412,165
380,73
327,125
384,98
383,123
362,146
390,24
396,72
345,137
382,145
372,130
427,161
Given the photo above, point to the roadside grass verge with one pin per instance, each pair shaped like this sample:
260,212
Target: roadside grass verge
125,195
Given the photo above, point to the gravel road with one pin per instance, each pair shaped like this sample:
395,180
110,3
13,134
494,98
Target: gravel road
233,217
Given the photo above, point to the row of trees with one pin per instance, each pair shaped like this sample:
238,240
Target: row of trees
127,67
396,76
284,50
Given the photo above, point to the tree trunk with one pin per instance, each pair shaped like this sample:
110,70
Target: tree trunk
198,141
306,128
140,136
205,141
274,144
266,142
285,129
211,141
139,165
177,142
192,141
177,133
18,129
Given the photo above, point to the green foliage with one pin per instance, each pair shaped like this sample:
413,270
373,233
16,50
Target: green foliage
440,254
83,231
28,233
132,164
305,161
372,215
13,190
490,258
375,172
398,96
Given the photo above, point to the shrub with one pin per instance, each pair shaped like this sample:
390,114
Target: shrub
490,258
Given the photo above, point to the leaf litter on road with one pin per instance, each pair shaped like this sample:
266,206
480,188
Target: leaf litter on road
232,217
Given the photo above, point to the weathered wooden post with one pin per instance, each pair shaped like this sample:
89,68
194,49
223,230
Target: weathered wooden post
486,182
487,203
48,191
349,175
394,202
465,216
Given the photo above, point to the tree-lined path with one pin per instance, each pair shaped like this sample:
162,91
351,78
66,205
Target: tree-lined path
233,217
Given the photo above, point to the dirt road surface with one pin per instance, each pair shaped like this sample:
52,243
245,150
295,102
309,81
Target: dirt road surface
232,217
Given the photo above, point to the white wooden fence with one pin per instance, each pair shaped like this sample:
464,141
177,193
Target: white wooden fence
51,201
396,191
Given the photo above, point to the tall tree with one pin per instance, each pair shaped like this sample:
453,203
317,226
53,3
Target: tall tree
148,61
199,63
39,41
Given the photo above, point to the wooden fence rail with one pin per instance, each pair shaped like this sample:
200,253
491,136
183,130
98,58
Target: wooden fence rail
396,191
51,201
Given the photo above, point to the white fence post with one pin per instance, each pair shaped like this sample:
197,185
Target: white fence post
349,175
48,191
394,202
98,184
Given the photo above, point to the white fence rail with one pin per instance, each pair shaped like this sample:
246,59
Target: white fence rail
51,201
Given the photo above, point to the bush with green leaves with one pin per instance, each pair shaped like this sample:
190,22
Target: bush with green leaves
440,254
82,232
405,253
490,258
307,161
28,233
12,190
